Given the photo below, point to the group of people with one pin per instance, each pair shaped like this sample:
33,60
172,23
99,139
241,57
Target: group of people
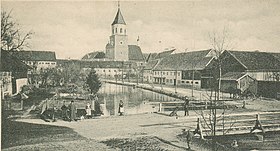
69,113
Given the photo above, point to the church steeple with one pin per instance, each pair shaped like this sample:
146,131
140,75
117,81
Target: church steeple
119,18
117,49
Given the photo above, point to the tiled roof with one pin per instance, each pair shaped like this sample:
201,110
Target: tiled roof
276,55
119,18
196,60
11,63
255,60
135,53
233,76
35,55
94,55
149,56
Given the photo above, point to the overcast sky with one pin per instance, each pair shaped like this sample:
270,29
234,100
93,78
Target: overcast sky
72,29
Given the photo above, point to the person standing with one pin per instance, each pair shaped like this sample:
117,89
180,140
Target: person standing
72,109
121,108
64,112
88,111
186,107
189,138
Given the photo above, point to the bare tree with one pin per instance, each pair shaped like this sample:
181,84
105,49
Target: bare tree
220,42
12,38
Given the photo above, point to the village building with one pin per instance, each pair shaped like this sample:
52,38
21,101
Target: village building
37,59
263,67
13,74
232,81
259,65
182,69
152,59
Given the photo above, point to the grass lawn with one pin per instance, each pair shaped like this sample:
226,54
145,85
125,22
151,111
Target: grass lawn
19,133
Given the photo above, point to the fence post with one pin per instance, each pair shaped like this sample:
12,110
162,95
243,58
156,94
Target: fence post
160,107
198,129
258,125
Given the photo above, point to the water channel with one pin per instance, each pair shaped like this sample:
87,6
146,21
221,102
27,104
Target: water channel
136,100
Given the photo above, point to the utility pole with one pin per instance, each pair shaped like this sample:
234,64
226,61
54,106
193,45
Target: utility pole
122,70
192,81
161,80
176,81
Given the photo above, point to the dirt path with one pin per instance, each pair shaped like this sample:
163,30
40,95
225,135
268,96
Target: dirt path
163,127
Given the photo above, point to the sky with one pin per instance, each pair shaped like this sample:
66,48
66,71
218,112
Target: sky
74,28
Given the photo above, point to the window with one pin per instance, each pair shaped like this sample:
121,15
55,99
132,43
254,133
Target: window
115,71
53,63
109,70
196,82
121,30
187,81
112,31
183,81
47,63
178,73
125,31
103,70
166,73
116,31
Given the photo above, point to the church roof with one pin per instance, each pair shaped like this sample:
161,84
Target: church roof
119,18
135,53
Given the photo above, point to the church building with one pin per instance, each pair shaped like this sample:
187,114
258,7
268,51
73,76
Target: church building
117,48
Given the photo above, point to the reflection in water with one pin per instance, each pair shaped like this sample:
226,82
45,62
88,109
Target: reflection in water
135,100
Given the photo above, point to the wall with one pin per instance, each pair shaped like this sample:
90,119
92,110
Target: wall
46,64
262,75
268,88
108,72
19,83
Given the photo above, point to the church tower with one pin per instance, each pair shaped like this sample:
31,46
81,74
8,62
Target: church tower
117,47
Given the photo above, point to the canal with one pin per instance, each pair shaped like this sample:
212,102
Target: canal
136,100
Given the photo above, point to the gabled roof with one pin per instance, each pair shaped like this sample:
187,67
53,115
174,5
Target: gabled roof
151,64
164,54
255,60
119,18
195,60
149,56
9,63
35,55
233,76
94,55
135,53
